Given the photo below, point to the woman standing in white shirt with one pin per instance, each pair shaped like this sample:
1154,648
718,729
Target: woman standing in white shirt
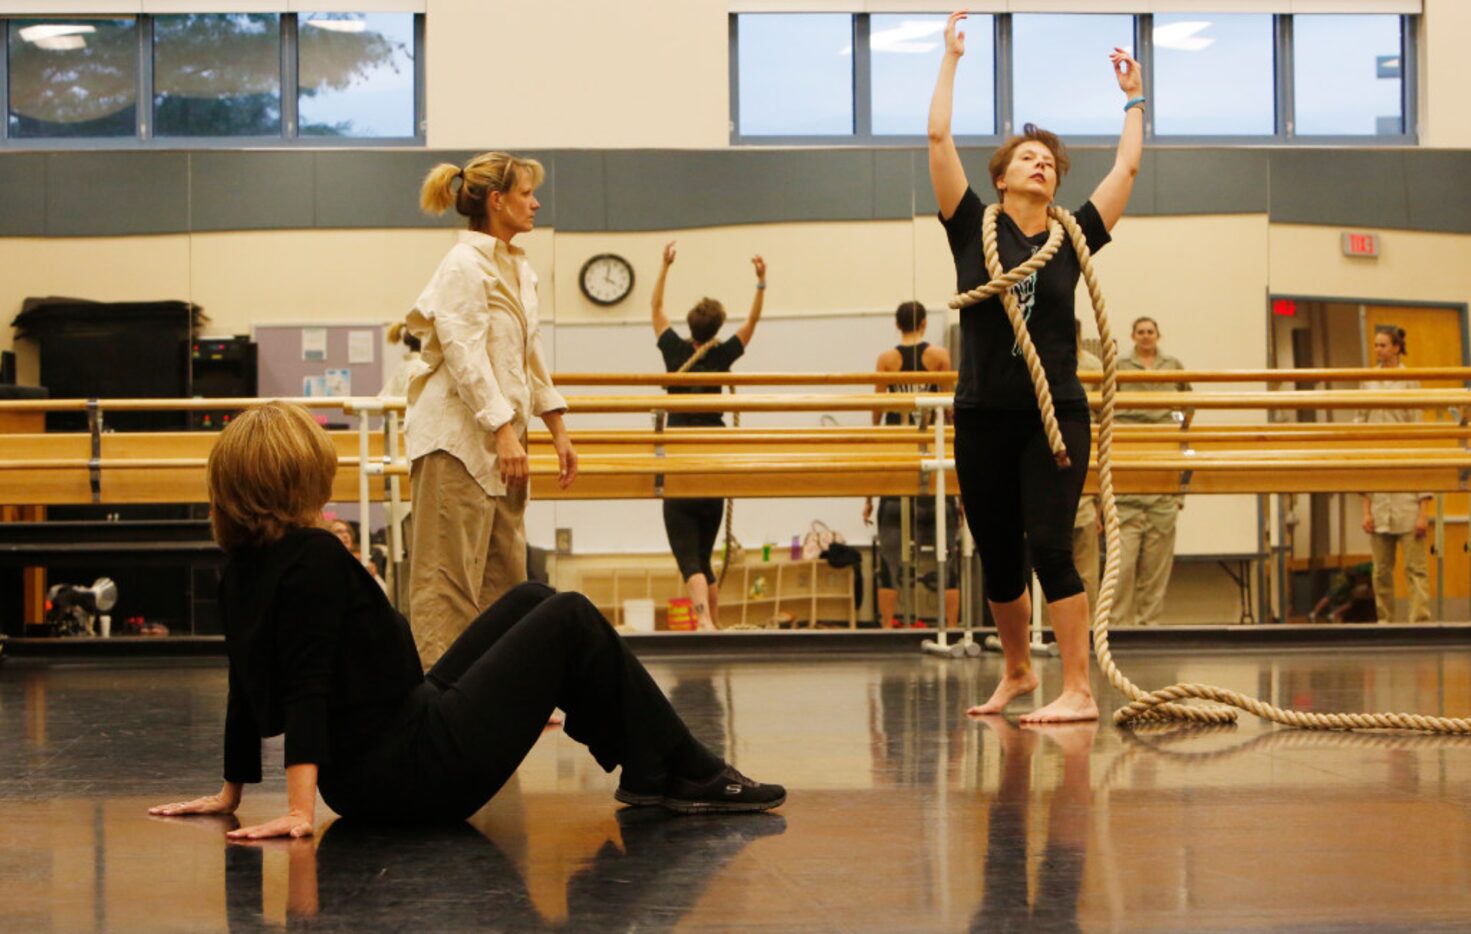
483,377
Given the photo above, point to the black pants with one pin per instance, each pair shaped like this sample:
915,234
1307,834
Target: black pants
922,530
692,525
463,732
1018,502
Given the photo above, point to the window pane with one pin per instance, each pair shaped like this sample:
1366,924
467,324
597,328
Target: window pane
796,74
1213,74
73,78
1064,81
1347,75
217,75
357,74
905,53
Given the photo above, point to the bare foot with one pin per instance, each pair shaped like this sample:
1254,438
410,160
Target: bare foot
1010,688
1074,738
1070,706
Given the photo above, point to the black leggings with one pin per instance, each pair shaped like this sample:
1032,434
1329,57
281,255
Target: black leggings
1018,501
692,525
461,734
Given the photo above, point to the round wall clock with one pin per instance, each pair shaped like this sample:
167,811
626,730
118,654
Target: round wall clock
606,279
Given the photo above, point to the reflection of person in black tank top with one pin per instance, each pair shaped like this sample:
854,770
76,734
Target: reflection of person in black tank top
913,354
693,523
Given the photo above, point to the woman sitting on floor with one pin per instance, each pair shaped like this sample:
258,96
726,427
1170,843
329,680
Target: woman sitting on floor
318,653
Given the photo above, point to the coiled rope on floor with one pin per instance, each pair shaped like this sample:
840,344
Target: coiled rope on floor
1162,704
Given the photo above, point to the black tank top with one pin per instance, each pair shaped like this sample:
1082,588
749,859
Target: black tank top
911,360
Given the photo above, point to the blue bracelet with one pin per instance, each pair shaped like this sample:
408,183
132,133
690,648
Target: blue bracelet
1133,101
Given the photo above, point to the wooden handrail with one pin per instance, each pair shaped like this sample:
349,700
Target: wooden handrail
948,377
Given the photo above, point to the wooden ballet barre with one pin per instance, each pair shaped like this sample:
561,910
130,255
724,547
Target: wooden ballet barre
1318,375
343,403
887,378
890,402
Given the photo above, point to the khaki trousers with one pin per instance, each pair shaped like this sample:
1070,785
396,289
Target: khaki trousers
1417,575
1148,556
1085,557
468,549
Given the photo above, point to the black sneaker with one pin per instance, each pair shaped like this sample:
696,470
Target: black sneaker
640,792
728,792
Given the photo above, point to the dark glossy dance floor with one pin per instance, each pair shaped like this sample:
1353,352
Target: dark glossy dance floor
904,815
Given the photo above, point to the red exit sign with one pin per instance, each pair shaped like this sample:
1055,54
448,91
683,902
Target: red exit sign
1360,244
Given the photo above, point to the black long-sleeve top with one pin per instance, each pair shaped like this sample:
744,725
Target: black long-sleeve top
316,652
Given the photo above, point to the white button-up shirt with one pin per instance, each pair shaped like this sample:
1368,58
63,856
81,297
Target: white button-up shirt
483,364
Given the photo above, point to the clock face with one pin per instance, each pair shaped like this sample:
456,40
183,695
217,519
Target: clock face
606,279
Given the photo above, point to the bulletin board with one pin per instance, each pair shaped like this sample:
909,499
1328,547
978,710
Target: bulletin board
313,360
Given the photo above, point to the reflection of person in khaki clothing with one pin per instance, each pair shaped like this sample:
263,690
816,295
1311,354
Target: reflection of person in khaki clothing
483,376
1146,521
1085,523
1396,521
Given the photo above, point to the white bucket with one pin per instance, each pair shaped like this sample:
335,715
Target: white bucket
638,615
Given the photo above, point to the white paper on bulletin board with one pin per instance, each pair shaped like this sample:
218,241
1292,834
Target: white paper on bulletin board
360,346
314,344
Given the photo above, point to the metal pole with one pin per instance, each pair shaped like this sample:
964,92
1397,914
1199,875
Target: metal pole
363,554
966,646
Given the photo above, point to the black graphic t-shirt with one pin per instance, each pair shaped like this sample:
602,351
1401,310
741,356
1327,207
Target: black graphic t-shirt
993,374
676,351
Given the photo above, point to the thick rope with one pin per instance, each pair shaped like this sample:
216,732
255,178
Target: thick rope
1161,704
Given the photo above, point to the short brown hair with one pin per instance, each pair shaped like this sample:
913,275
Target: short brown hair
705,320
909,317
271,470
1031,133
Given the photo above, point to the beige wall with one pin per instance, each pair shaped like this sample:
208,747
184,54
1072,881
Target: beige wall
1413,266
1445,74
635,73
655,73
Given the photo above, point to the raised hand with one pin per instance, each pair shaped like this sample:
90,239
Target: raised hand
760,265
954,39
1126,70
669,253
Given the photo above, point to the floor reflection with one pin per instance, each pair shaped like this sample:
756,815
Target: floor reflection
455,877
904,814
1010,903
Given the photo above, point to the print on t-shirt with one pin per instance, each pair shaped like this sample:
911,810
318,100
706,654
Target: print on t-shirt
1026,296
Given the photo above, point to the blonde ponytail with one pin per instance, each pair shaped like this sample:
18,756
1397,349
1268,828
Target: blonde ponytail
438,192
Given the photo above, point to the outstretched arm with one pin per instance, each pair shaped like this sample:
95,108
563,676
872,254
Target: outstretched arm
1112,194
661,320
947,175
748,330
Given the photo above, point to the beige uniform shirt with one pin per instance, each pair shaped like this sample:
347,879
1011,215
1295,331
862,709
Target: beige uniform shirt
1394,513
482,360
1161,508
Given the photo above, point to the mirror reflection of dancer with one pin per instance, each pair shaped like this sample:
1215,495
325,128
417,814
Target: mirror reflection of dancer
319,654
1016,499
913,354
692,524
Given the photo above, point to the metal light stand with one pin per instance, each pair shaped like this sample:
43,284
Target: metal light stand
966,646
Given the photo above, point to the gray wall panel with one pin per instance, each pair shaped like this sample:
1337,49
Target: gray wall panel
1210,181
251,190
103,194
372,189
113,193
22,195
1350,188
1438,184
580,178
894,182
657,190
